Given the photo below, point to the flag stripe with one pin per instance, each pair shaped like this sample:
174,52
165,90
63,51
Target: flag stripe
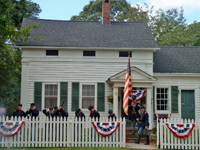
127,87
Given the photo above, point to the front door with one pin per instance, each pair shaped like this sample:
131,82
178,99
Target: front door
187,104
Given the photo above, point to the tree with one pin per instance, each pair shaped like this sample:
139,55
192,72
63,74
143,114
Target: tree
93,11
188,35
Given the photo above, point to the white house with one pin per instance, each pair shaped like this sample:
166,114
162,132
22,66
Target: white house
81,63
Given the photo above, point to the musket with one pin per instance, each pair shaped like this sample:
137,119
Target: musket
62,103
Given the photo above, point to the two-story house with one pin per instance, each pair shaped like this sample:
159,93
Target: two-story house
81,63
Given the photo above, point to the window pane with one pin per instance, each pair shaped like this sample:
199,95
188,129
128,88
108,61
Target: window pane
158,107
88,53
51,52
158,95
158,90
162,96
158,101
50,102
166,96
162,102
87,101
162,90
166,90
162,107
124,54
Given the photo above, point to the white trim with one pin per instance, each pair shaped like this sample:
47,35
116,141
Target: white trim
43,92
87,48
169,100
80,93
176,74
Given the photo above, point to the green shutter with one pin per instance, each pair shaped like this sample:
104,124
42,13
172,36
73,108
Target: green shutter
75,95
38,95
174,99
100,96
154,99
63,94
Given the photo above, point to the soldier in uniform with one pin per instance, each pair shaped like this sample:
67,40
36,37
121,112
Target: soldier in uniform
55,108
61,112
93,113
33,111
3,112
49,112
19,112
111,115
144,125
133,109
79,114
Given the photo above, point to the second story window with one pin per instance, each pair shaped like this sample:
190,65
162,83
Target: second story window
124,54
51,52
89,53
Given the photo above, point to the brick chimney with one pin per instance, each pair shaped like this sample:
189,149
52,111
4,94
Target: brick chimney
106,12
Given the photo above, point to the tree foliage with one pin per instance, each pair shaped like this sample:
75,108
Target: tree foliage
11,14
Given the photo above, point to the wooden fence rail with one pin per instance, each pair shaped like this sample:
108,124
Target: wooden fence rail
166,140
45,132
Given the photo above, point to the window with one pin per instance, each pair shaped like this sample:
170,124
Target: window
124,54
88,53
162,99
88,96
51,95
51,52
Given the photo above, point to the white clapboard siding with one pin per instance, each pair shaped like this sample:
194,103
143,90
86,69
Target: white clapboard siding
45,132
70,66
166,140
183,83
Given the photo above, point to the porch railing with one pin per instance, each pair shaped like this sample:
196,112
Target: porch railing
45,132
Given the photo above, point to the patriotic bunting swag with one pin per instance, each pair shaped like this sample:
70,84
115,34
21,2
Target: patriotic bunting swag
105,129
137,94
8,129
180,130
162,116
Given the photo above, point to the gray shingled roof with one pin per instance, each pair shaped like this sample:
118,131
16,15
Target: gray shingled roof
90,34
171,59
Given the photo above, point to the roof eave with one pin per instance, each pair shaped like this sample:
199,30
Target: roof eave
87,48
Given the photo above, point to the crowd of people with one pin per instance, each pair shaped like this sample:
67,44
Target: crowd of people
59,112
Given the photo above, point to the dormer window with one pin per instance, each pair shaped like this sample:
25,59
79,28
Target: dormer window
51,52
106,1
124,54
89,53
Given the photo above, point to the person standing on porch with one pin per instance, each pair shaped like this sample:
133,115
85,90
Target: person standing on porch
133,113
143,125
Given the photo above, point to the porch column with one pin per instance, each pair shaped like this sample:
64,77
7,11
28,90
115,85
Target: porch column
149,107
115,100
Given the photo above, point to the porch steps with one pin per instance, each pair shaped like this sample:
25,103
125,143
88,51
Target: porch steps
133,138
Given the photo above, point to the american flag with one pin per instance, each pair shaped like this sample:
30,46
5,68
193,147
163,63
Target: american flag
128,87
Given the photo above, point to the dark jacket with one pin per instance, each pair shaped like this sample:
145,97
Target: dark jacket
144,120
48,114
18,113
94,115
133,116
33,113
113,117
6,114
81,115
60,113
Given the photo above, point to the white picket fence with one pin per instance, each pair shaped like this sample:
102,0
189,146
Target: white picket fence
43,132
166,140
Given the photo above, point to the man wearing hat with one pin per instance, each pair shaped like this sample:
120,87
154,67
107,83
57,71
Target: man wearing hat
60,112
19,112
144,125
93,113
79,114
49,112
111,115
133,113
33,111
55,108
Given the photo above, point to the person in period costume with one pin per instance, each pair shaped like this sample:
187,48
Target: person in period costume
133,109
93,113
79,114
48,113
55,108
61,112
32,111
111,115
143,125
19,112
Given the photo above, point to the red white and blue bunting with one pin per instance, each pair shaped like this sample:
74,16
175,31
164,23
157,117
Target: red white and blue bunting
181,130
9,129
162,116
105,129
137,94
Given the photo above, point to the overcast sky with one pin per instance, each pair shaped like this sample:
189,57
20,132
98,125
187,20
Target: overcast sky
64,9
